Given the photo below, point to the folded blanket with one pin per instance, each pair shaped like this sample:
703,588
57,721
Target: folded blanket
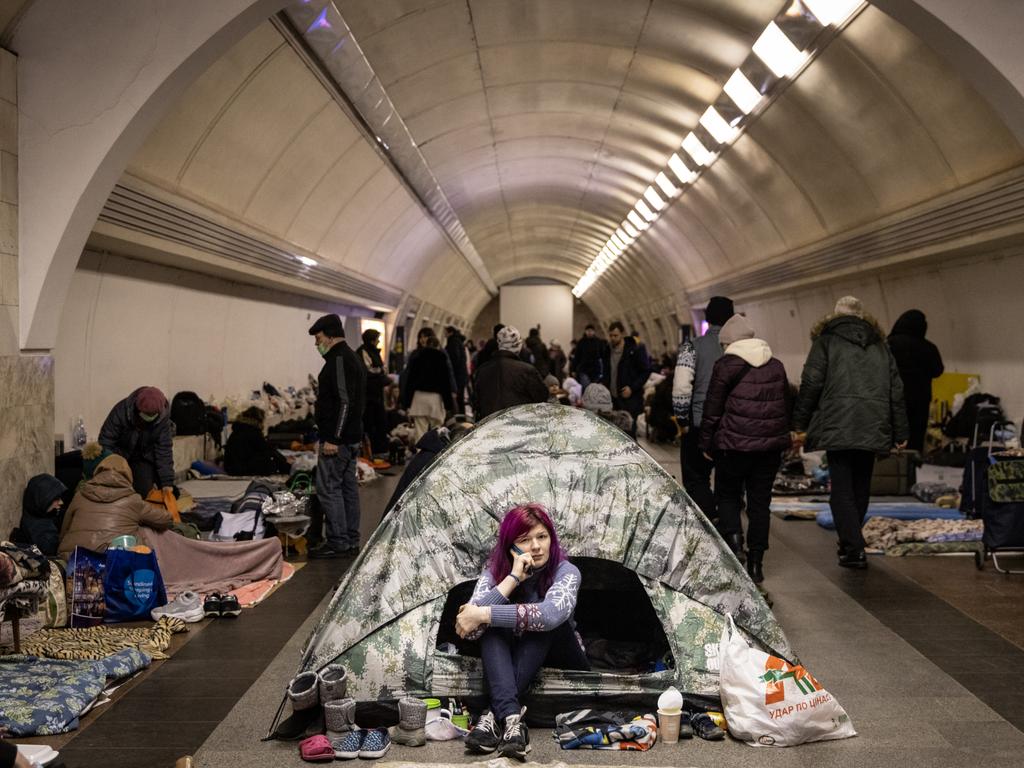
885,533
104,641
593,729
42,697
212,566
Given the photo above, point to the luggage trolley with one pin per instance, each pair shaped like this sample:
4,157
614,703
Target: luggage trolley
996,485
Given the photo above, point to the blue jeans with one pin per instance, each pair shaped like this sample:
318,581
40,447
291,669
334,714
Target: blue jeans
511,663
338,494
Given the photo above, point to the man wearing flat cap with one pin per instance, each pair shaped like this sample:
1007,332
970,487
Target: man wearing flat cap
341,394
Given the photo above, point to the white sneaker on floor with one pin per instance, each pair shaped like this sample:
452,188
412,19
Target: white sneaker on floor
187,606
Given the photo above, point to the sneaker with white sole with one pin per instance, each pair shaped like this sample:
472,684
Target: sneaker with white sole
375,744
187,606
515,741
484,737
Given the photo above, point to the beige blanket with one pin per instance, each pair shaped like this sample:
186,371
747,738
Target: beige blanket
212,566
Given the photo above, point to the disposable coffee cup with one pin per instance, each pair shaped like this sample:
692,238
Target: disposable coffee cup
668,726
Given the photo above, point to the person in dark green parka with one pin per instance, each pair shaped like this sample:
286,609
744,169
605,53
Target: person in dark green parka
851,406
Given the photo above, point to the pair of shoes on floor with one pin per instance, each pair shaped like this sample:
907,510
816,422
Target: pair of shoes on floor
513,742
221,605
854,558
705,727
319,703
328,552
187,606
365,743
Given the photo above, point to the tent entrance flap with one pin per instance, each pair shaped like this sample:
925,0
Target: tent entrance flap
614,616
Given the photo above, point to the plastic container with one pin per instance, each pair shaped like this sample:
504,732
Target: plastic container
124,542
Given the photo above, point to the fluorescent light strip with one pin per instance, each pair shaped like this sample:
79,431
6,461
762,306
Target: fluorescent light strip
646,212
652,196
742,92
778,52
630,229
615,239
637,222
684,174
667,186
722,132
832,11
619,233
697,151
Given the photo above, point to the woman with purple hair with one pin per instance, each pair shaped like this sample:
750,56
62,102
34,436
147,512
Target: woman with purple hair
522,613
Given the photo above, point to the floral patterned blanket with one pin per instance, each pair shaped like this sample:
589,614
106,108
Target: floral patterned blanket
41,697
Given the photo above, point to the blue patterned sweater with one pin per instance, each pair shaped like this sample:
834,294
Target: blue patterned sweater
526,611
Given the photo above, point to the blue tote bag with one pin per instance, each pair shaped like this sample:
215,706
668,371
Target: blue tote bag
132,585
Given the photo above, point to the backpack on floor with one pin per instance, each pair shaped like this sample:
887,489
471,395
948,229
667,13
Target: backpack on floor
244,522
188,413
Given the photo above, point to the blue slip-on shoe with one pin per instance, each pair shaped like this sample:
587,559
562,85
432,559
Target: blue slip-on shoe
349,745
376,744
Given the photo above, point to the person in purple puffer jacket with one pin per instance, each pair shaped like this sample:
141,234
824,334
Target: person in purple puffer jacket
746,428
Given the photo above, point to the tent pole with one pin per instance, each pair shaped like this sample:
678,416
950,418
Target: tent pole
277,717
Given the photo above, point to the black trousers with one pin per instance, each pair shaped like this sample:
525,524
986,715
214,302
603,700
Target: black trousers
850,474
697,473
750,473
376,426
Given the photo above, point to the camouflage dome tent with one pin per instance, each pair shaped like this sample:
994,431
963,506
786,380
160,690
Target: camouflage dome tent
610,502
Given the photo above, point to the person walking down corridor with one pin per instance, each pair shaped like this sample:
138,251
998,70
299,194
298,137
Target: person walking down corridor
627,371
588,357
340,400
429,395
374,416
139,429
851,406
506,380
745,428
918,361
689,388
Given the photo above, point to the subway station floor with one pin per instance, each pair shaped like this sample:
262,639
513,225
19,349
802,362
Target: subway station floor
926,655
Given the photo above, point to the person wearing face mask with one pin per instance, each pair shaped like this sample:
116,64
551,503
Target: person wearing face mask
139,429
522,613
341,396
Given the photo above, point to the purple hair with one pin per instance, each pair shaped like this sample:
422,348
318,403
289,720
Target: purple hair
518,521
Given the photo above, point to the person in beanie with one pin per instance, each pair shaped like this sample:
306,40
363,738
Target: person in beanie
506,380
851,406
139,429
744,430
689,388
375,415
918,361
341,392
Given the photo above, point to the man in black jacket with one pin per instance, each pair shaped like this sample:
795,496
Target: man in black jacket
139,429
455,346
626,371
588,358
506,380
341,392
375,416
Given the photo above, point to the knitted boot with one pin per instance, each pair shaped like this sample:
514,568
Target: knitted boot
340,718
412,715
303,692
333,683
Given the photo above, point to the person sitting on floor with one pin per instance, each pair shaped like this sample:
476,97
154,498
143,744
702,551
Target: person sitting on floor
40,511
247,451
597,398
107,506
522,612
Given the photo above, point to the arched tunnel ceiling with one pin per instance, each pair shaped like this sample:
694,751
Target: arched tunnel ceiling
544,121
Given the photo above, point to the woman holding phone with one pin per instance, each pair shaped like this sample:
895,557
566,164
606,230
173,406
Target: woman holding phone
522,613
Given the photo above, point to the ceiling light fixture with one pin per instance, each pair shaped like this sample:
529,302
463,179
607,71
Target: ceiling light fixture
742,92
697,151
654,198
684,174
637,222
646,212
630,229
833,12
667,186
722,132
614,240
619,233
307,261
778,52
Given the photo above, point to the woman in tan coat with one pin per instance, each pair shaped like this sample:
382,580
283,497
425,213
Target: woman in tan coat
107,506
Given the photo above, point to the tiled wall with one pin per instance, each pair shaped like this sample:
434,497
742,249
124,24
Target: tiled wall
26,381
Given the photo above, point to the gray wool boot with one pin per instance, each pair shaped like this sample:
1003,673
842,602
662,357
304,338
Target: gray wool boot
339,717
412,716
304,695
333,683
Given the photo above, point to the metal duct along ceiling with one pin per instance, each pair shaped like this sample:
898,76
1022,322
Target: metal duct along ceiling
143,213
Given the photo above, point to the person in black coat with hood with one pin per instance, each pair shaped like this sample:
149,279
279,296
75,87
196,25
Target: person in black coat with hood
375,416
40,514
139,429
918,361
455,347
247,451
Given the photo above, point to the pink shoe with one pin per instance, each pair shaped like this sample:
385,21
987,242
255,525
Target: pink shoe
316,749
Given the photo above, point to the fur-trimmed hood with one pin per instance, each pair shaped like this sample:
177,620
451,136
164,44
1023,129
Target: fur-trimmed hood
862,331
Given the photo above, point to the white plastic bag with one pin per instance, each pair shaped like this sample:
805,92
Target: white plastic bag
768,702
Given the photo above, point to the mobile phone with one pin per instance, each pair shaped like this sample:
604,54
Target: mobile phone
518,551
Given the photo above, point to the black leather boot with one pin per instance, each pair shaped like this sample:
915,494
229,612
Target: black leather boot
735,542
754,559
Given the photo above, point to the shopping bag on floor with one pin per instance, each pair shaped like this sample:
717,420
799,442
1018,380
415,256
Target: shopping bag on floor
132,585
769,702
84,588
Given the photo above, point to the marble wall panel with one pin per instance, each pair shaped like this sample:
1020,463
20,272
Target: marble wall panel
26,429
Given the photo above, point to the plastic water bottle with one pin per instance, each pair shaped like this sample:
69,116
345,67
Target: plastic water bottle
79,437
